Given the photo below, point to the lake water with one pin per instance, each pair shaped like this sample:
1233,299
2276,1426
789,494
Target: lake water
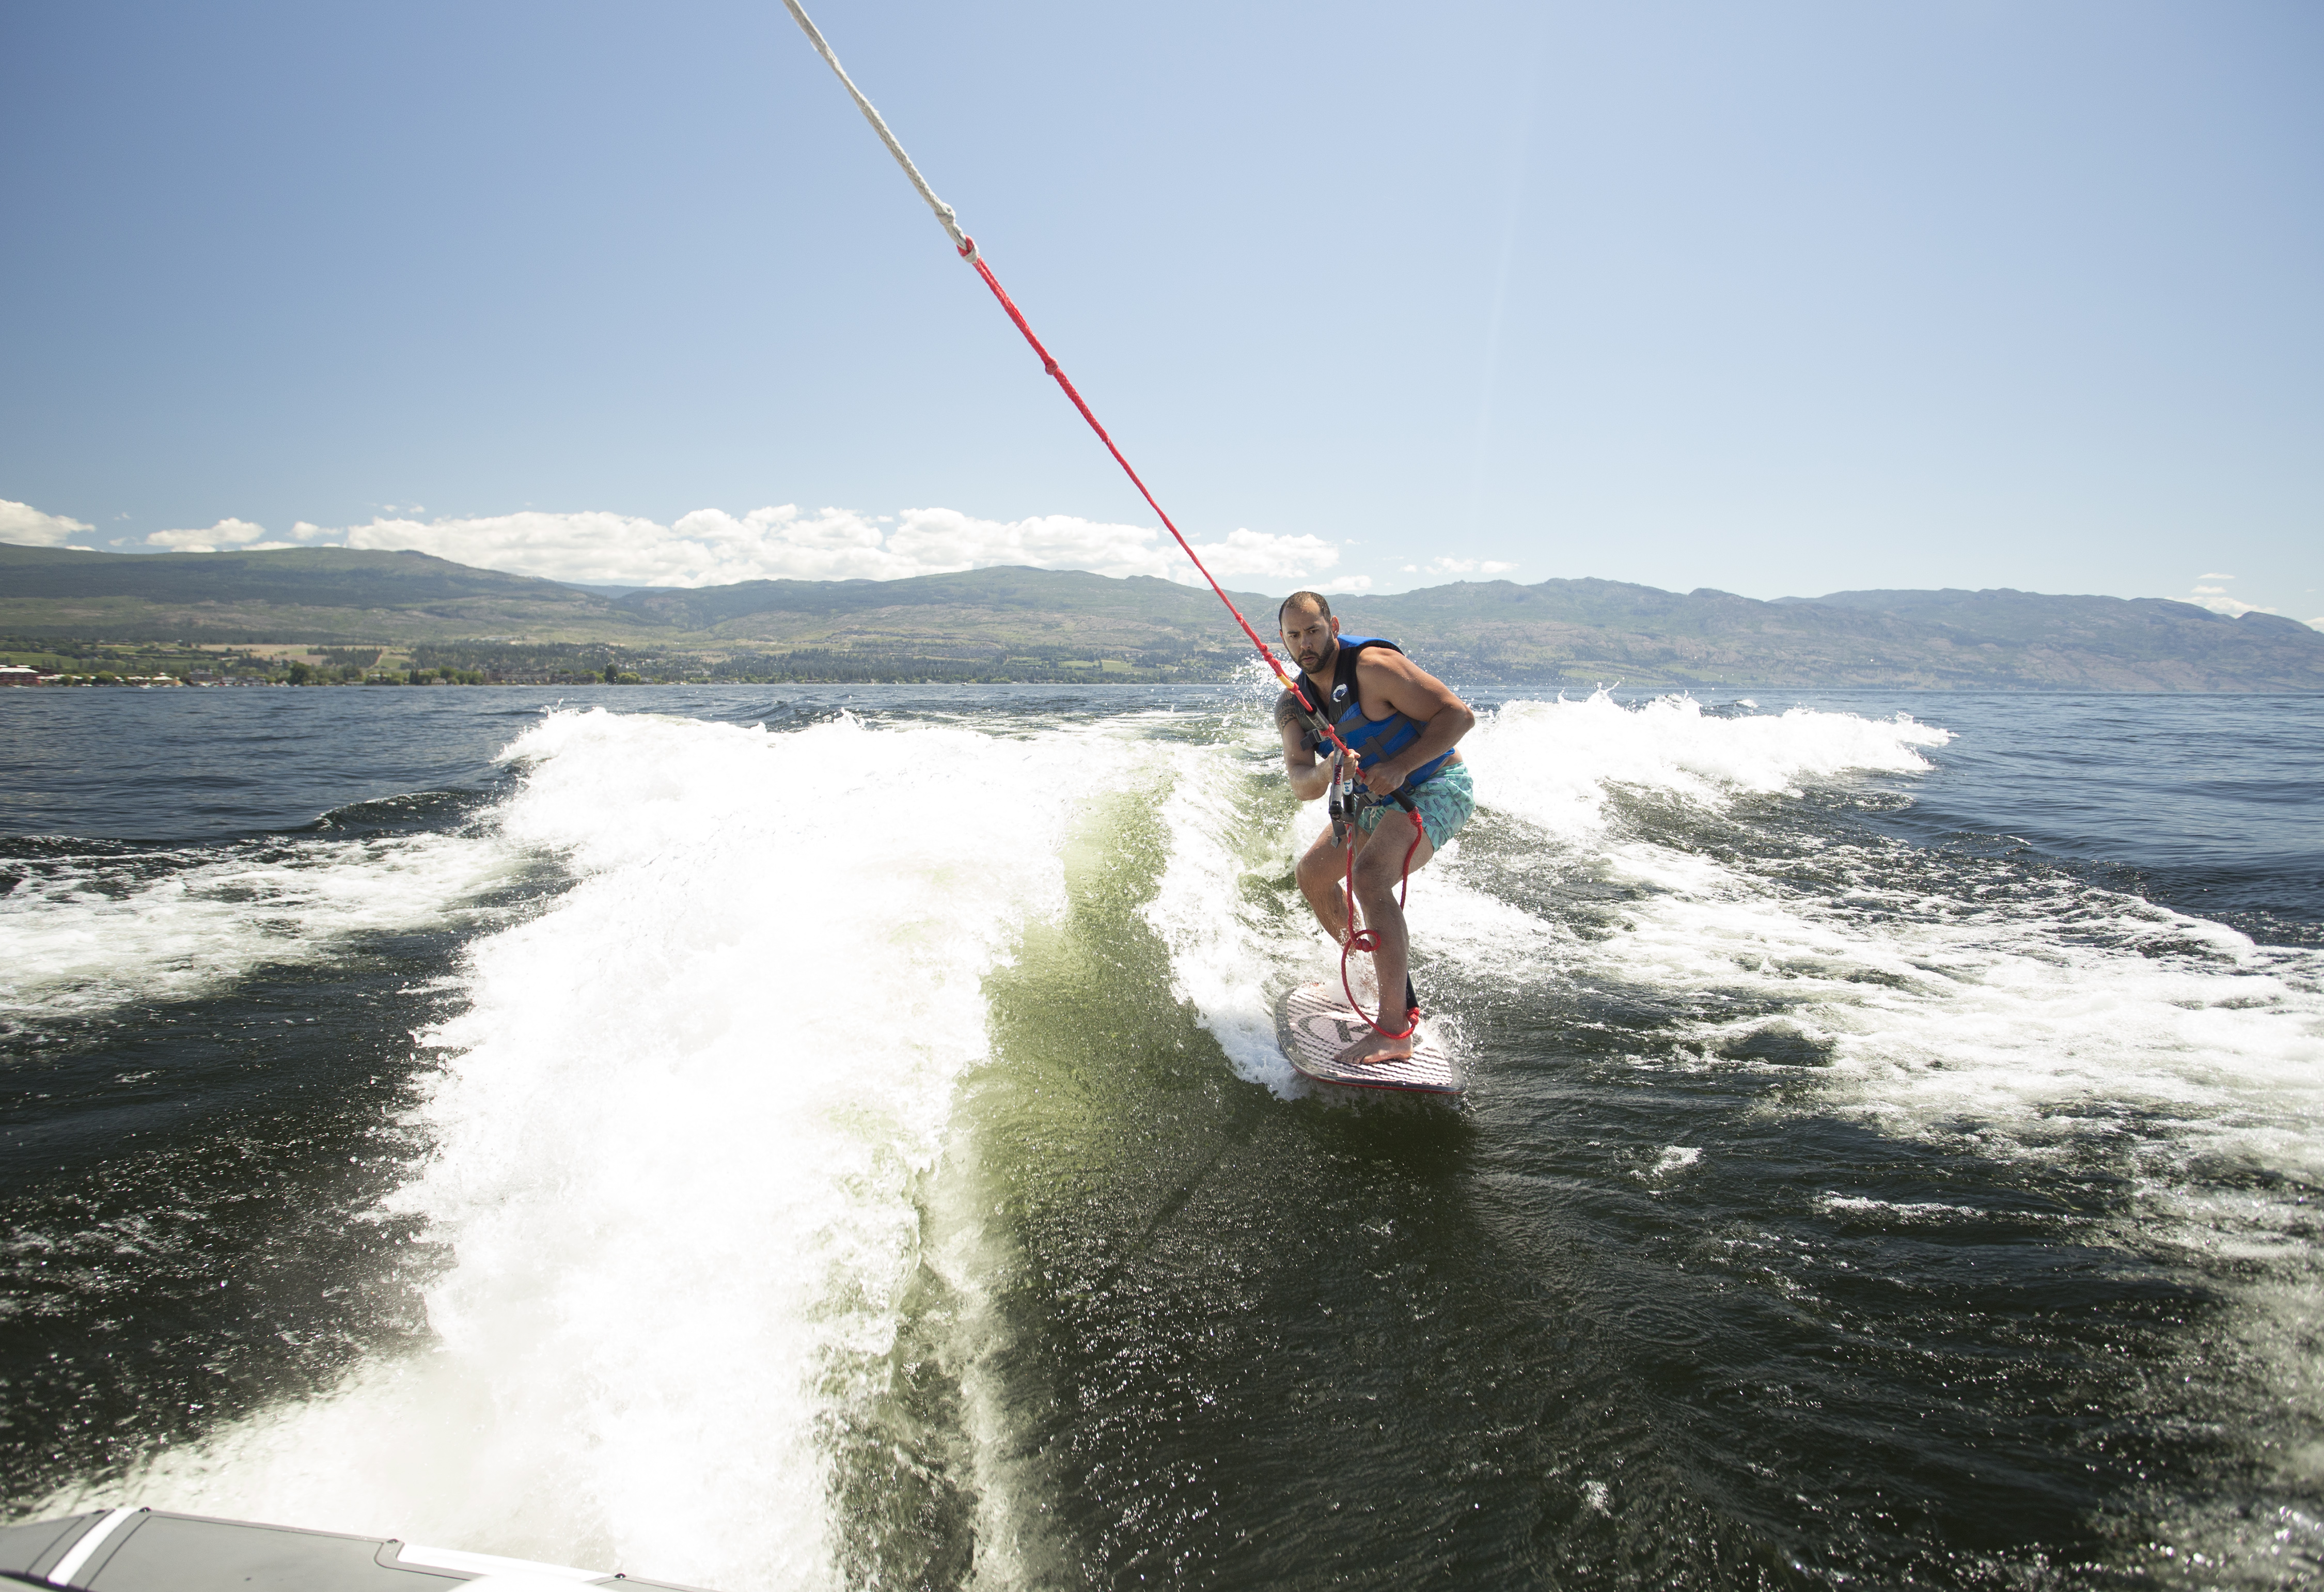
769,1137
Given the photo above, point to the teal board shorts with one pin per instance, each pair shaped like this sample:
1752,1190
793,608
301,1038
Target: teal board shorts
1446,803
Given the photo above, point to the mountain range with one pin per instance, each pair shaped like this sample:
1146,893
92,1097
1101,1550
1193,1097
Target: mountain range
1030,623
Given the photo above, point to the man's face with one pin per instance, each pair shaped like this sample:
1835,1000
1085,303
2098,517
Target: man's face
1309,637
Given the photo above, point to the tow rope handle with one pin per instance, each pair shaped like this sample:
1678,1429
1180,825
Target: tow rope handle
965,246
1401,796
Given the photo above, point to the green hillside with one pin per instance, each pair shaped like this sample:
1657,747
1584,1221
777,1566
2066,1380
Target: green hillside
1037,624
1995,639
320,594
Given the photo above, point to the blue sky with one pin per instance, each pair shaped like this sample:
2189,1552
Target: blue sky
1786,298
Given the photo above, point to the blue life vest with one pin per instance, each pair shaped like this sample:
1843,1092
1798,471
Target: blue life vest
1371,739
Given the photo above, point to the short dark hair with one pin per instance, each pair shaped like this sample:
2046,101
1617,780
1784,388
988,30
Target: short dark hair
1322,605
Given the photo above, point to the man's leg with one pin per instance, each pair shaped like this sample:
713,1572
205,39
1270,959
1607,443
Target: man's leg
1379,868
1320,873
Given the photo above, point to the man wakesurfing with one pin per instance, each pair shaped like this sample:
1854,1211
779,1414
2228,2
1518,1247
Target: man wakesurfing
1402,723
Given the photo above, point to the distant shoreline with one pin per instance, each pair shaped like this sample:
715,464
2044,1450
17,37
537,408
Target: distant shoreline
350,615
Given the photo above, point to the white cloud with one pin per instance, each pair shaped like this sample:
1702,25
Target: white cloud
1461,567
711,547
27,526
2216,598
2228,606
226,536
597,547
1347,585
1252,553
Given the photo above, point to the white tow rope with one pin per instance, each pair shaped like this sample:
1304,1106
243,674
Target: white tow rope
945,213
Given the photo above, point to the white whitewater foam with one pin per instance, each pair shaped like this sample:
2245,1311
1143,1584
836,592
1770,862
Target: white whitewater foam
1674,1158
82,935
2006,1003
2032,1015
1555,764
680,1135
1978,1003
684,1124
1228,955
2032,1023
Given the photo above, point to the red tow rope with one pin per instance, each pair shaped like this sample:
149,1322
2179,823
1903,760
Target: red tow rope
1358,938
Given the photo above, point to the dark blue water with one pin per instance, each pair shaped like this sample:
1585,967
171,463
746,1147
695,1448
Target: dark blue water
2209,803
1890,1159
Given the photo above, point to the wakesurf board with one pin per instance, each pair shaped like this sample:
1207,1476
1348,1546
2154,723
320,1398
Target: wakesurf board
1313,1024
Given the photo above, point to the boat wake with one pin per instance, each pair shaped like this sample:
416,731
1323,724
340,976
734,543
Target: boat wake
699,1301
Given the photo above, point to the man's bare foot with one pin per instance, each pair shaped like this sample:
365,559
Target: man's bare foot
1374,1049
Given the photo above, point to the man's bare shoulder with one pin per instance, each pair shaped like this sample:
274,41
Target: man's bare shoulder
1383,663
1289,714
1385,660
1381,670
